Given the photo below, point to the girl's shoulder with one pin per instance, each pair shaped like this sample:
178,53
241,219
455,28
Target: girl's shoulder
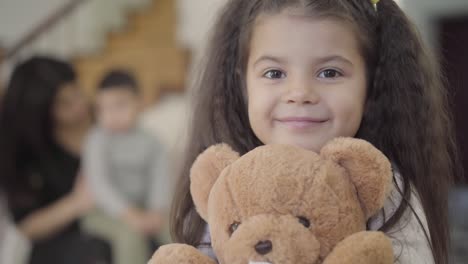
205,244
410,235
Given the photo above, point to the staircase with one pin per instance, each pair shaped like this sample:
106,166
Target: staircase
146,46
99,35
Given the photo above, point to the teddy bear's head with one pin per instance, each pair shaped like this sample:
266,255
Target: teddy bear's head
282,204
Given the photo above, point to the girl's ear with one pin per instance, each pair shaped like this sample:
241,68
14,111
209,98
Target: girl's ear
368,168
205,171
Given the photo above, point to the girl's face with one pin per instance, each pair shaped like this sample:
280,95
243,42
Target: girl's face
306,80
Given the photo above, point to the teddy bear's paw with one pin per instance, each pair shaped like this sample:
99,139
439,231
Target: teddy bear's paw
258,262
366,247
179,254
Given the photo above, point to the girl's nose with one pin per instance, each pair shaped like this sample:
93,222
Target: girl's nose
301,92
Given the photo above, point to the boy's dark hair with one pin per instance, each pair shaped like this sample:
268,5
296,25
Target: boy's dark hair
119,79
406,113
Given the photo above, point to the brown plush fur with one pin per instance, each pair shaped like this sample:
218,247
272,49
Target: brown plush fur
180,254
268,189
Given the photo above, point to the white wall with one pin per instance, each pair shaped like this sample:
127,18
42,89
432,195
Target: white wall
17,17
195,19
425,13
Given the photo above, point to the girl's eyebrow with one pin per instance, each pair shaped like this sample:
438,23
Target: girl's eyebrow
337,58
321,60
278,60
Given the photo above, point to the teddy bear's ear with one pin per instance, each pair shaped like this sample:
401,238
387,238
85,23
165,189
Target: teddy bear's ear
205,171
369,169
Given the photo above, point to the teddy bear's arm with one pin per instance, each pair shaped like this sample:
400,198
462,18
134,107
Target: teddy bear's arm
179,254
365,247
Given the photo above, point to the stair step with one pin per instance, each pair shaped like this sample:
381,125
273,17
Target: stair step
147,46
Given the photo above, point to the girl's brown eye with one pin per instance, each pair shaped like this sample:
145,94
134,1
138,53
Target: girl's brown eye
304,221
274,74
234,227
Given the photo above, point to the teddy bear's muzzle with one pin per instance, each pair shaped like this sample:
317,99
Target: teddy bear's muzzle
271,239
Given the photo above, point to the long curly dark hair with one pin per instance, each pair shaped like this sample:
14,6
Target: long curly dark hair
406,114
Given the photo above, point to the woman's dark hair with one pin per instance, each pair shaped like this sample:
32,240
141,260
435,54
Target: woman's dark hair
26,122
406,113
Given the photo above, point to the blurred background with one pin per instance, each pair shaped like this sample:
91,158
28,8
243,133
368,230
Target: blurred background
161,42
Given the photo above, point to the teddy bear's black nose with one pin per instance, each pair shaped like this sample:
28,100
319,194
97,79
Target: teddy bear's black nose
264,247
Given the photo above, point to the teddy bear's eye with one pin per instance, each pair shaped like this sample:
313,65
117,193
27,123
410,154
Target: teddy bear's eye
234,227
304,221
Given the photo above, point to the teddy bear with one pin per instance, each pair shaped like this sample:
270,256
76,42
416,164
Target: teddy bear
280,204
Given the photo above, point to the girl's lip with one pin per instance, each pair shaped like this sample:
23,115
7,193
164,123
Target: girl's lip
301,123
301,119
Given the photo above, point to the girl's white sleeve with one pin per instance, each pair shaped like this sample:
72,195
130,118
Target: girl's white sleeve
410,244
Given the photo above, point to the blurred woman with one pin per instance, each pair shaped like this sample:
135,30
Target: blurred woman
44,118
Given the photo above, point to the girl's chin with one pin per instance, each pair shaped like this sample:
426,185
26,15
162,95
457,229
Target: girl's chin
304,144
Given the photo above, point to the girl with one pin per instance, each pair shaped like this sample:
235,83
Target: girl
302,72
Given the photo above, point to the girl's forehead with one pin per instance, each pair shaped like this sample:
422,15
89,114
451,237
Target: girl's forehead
300,13
289,33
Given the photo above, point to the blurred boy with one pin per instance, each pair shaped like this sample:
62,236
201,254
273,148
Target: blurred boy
125,166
